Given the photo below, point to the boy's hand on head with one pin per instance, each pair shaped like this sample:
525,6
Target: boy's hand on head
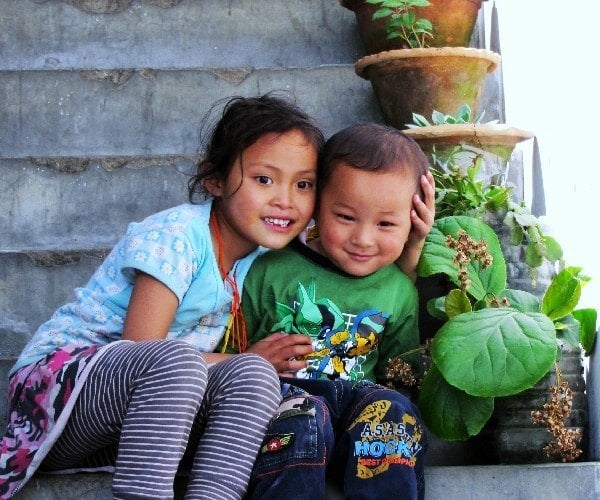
423,212
422,216
280,349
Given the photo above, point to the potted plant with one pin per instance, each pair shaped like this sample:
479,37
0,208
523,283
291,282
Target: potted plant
398,24
420,76
470,162
494,341
422,80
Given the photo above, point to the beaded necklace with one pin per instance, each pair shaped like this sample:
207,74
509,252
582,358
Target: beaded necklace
235,332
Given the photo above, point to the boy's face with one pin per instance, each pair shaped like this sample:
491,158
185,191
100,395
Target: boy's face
364,218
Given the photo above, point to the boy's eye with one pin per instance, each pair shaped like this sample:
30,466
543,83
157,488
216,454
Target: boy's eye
385,223
263,179
305,185
345,217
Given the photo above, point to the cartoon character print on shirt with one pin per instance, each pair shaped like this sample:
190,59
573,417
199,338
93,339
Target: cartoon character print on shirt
384,441
341,341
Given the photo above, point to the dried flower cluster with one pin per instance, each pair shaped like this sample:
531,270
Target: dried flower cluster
553,416
468,250
400,373
499,303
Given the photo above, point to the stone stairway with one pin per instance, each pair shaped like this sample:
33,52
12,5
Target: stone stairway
101,107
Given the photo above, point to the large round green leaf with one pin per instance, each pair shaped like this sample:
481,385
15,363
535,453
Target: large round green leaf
437,257
450,413
495,352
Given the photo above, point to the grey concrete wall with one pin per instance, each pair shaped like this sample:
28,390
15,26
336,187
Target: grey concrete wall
184,34
72,113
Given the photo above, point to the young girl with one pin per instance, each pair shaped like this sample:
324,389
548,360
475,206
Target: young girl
119,379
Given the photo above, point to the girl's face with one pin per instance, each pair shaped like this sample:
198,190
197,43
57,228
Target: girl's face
269,196
364,218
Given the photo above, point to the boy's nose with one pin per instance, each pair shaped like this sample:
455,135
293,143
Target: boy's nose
362,236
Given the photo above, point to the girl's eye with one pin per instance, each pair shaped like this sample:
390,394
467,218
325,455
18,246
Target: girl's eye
345,217
263,179
305,185
385,223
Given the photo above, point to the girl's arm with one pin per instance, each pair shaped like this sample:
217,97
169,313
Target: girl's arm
421,217
151,310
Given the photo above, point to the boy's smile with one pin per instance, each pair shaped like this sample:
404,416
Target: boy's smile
364,218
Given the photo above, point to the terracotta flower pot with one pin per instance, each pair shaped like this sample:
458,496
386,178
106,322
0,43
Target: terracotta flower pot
494,142
420,81
453,23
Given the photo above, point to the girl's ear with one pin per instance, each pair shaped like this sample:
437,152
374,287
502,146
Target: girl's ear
213,186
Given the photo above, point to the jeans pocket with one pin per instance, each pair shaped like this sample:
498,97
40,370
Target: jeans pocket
294,436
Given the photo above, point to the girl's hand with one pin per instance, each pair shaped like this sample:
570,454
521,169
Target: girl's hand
151,310
280,348
421,216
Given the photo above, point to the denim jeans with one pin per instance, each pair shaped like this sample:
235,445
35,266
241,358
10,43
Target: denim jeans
368,437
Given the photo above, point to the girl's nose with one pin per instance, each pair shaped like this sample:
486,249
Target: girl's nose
283,197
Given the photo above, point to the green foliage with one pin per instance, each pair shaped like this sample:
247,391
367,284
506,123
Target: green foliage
496,351
460,192
402,21
462,416
495,341
462,116
437,258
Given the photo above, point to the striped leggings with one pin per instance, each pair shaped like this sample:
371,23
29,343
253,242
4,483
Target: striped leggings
145,406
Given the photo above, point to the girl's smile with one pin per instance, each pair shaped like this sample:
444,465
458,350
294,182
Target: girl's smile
269,196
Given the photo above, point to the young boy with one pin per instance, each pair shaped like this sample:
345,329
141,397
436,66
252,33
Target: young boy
343,290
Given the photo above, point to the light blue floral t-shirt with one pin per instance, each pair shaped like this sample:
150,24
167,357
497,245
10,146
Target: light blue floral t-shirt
173,246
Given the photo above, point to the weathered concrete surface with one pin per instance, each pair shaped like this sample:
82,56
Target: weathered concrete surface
30,292
579,481
46,209
69,113
191,34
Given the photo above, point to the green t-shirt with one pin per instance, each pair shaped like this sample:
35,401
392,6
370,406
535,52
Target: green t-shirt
356,323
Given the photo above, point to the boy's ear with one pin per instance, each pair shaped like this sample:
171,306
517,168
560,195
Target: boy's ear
213,186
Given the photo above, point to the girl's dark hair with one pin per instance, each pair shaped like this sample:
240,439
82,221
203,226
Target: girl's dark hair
244,121
373,147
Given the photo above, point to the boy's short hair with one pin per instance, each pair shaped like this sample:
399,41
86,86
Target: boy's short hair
373,147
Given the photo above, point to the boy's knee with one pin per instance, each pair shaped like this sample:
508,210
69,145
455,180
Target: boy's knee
301,435
387,427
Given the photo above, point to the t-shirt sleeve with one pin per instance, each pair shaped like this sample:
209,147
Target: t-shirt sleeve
252,300
165,254
401,334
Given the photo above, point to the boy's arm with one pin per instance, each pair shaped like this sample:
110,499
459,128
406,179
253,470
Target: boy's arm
421,217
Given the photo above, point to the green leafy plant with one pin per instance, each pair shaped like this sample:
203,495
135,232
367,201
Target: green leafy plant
462,116
494,341
460,192
402,21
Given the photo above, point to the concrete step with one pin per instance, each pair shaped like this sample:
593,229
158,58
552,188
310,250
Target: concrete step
156,112
34,284
210,33
73,203
580,481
